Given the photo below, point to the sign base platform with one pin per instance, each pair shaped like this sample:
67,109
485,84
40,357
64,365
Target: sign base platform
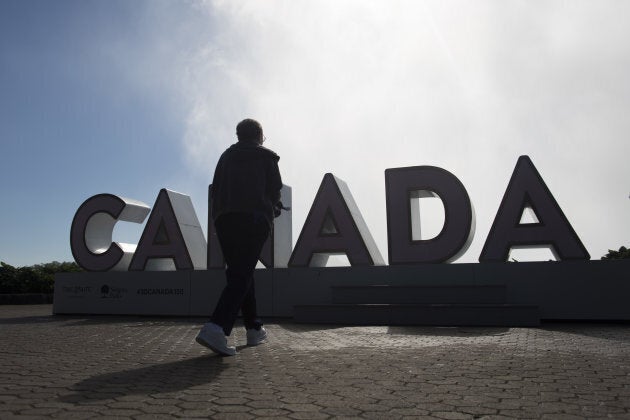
516,294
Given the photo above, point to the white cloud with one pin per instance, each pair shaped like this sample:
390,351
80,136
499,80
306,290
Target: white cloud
355,87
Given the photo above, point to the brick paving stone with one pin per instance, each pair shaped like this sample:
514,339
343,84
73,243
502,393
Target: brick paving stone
228,416
264,404
121,413
296,399
407,412
399,403
298,408
450,415
269,412
309,415
341,411
198,413
151,367
478,411
161,409
152,417
561,417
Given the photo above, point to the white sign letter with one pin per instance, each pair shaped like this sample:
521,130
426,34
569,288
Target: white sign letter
527,189
404,184
92,228
334,225
172,235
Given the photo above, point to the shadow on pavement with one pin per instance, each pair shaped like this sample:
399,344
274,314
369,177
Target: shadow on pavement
405,330
28,320
130,321
87,320
153,379
298,328
607,330
448,331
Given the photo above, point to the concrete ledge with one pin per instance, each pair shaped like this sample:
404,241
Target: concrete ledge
581,290
495,315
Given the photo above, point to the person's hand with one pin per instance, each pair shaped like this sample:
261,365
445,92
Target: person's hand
278,209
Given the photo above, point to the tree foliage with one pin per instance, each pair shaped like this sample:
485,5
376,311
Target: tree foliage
39,278
617,255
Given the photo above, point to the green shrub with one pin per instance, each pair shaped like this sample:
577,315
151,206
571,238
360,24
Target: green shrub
39,278
617,255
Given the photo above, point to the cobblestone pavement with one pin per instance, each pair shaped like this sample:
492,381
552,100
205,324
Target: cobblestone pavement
138,367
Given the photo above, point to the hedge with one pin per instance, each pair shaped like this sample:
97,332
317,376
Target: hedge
39,278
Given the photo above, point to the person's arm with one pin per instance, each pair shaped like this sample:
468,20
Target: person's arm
275,183
216,185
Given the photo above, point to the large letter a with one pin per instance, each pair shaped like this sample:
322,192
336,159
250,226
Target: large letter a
334,225
527,189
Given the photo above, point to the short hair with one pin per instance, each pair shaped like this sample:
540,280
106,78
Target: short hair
249,129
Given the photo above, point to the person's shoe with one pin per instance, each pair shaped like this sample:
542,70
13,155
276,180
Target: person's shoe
215,340
256,337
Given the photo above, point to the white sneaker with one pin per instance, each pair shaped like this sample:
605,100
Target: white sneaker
256,337
215,340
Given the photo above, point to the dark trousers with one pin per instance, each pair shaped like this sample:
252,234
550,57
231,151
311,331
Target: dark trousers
242,237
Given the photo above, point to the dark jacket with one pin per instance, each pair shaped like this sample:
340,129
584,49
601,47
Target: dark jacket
246,180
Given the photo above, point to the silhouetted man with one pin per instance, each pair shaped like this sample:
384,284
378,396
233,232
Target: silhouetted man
245,199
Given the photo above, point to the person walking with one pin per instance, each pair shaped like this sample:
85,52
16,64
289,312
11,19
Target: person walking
245,198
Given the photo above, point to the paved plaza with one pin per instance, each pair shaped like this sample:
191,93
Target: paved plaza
140,367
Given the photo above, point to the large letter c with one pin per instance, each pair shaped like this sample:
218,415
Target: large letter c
92,228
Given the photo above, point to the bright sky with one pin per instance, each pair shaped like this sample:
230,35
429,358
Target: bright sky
127,97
